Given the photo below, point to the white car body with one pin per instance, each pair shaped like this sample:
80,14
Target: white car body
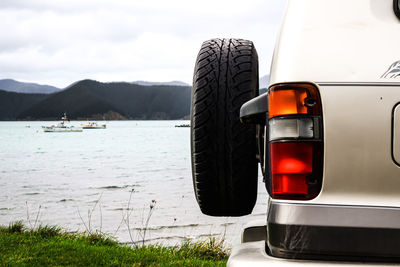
351,51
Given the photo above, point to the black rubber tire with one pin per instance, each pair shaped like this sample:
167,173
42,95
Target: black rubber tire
224,164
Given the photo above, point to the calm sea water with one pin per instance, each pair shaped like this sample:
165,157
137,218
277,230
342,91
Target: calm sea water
84,181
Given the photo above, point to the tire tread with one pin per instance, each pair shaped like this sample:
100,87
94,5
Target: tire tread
224,163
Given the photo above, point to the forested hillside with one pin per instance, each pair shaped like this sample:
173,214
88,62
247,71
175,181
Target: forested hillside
89,98
12,104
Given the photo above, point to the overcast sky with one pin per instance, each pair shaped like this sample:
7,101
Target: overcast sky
58,42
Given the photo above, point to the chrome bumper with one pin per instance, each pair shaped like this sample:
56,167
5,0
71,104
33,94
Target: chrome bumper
329,235
333,232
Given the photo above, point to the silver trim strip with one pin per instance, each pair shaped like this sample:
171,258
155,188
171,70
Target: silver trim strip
333,215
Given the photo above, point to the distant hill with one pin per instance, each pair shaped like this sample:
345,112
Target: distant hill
88,98
29,88
173,83
12,104
263,81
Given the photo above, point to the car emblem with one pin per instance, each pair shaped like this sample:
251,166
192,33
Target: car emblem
393,71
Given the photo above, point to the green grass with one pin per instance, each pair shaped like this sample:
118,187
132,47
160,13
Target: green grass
50,246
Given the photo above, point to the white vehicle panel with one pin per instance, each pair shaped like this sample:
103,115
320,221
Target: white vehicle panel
337,41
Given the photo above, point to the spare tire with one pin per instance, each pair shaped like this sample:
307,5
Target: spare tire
223,151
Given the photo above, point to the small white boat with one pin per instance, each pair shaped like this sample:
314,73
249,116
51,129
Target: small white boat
93,125
61,127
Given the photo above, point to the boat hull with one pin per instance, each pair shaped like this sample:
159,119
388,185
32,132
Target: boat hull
61,130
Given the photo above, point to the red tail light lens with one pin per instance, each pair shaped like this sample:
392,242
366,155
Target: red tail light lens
295,141
295,169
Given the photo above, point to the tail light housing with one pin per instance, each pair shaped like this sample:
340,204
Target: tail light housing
294,141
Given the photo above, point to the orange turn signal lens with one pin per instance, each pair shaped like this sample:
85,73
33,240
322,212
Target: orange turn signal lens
293,99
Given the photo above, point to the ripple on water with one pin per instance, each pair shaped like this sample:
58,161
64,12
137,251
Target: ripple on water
176,226
123,176
66,199
111,187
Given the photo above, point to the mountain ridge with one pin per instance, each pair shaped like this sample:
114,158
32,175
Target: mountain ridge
148,83
88,98
12,103
11,85
263,81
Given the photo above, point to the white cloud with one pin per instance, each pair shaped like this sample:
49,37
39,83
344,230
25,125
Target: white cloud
59,42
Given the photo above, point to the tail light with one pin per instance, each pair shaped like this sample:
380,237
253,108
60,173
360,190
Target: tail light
295,141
